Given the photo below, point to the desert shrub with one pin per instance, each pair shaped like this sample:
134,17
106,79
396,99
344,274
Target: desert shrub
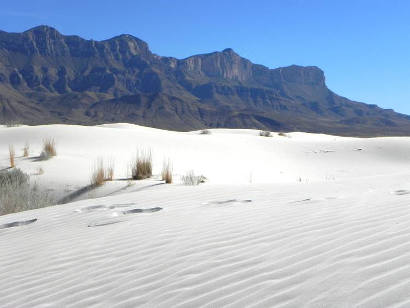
282,134
166,173
191,179
109,171
205,132
12,156
141,166
12,123
265,133
101,174
98,174
15,176
49,149
16,193
26,149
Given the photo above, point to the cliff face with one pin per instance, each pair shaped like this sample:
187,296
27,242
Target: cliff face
46,77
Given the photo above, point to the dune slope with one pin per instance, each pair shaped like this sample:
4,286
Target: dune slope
305,221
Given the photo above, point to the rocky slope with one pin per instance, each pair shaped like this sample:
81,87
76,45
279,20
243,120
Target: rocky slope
47,77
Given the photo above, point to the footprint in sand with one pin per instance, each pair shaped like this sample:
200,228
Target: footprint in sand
17,223
303,200
230,201
134,211
402,192
104,222
93,208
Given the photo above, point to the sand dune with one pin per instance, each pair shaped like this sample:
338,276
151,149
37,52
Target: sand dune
305,221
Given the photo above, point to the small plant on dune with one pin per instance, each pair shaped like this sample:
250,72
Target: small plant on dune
49,149
12,156
98,174
26,149
141,166
101,174
282,134
40,171
191,179
16,193
205,132
166,173
12,123
265,133
109,171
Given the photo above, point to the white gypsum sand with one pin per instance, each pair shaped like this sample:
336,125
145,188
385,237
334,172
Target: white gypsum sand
306,221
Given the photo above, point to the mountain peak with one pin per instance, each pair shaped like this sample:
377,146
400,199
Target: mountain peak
43,29
228,50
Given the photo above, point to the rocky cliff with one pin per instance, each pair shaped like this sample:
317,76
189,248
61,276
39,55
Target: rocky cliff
47,77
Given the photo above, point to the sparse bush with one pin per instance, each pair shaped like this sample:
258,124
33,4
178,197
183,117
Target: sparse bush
109,172
49,149
166,173
282,134
12,123
205,132
265,133
26,149
101,173
98,175
15,176
16,193
12,156
141,166
191,179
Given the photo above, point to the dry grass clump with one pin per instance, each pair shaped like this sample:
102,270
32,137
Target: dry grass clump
98,175
191,179
205,132
265,133
49,149
141,166
102,174
26,149
282,134
12,156
166,173
16,193
109,171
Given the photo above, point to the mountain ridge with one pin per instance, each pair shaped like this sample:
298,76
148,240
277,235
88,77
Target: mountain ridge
48,77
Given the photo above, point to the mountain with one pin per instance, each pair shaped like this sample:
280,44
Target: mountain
47,77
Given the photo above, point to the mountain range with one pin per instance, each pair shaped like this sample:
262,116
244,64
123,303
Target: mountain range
47,77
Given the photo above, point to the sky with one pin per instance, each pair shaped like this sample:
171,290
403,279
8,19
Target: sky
363,46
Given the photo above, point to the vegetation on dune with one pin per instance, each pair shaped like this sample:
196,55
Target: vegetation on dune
141,166
191,179
49,149
166,174
16,193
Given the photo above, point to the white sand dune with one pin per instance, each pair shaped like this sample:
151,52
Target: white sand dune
306,221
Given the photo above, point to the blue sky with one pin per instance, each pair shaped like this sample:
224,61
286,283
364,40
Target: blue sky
363,46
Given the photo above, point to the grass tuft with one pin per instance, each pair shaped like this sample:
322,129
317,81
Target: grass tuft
26,150
191,179
141,166
12,156
98,174
205,132
265,133
166,173
49,149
